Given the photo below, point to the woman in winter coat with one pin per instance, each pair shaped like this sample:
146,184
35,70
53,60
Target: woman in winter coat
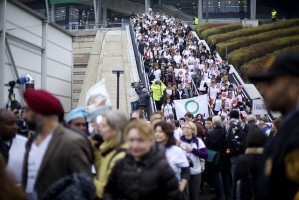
144,173
164,134
196,150
112,149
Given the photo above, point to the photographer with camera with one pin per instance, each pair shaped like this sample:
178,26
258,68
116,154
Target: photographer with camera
134,96
158,89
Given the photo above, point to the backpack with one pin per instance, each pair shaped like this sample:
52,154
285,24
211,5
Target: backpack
236,140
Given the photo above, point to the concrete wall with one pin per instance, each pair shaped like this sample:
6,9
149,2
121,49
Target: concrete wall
40,49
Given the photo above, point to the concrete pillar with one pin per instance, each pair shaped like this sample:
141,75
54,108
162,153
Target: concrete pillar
98,11
199,11
53,7
207,10
44,56
104,15
147,5
2,49
252,9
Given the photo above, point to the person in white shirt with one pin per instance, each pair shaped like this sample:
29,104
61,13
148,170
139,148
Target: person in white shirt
217,104
12,146
177,58
168,108
178,132
157,72
174,154
213,91
195,149
228,101
186,80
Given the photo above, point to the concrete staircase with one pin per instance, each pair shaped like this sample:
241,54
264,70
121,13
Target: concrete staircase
95,56
82,47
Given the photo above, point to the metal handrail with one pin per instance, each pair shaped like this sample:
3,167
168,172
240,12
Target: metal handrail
140,66
95,26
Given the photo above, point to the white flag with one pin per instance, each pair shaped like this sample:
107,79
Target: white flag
195,105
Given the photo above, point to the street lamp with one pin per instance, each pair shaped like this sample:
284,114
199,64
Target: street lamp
117,71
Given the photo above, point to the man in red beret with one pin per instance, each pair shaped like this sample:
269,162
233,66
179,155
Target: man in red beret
55,151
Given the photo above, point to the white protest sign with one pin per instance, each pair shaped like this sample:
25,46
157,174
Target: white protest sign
258,107
194,105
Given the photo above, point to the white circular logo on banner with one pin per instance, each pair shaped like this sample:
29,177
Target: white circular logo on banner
192,106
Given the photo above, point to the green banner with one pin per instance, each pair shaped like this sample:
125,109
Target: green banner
68,1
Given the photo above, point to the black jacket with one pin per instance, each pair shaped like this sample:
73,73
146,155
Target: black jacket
143,99
75,186
247,172
215,139
148,179
281,160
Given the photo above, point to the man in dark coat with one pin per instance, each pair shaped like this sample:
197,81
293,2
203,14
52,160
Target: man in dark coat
280,172
215,140
144,100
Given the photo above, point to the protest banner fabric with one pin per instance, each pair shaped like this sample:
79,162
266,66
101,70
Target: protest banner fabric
195,105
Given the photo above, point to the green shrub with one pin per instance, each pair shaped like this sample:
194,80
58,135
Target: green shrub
220,29
240,42
238,57
253,31
207,25
261,64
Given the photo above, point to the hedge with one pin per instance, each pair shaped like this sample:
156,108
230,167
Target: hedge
253,31
238,57
204,26
261,64
220,29
240,42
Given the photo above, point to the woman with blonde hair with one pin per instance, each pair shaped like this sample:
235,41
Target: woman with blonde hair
196,150
113,148
144,172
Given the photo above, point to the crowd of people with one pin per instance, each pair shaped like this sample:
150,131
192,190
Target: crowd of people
128,158
119,157
179,66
